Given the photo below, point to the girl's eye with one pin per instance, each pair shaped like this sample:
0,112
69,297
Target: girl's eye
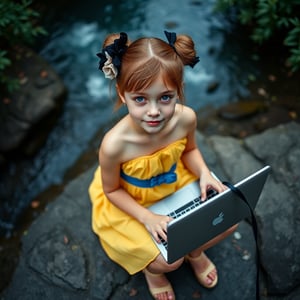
165,98
139,99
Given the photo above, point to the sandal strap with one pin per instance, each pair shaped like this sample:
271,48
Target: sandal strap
163,289
151,274
201,276
154,291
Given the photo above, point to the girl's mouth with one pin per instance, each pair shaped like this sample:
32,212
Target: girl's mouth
153,123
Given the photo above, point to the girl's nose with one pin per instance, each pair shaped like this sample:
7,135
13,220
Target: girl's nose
153,110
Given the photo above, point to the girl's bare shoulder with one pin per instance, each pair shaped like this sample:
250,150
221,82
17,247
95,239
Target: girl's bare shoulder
114,140
186,115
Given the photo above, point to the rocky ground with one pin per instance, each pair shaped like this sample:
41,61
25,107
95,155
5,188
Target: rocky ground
61,258
29,112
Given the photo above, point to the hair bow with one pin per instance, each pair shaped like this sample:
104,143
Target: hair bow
111,56
171,37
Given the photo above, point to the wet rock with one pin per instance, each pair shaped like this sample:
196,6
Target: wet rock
43,80
242,109
60,259
212,87
31,111
278,209
171,25
196,3
211,51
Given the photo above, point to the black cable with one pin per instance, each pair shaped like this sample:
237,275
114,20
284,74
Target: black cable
239,193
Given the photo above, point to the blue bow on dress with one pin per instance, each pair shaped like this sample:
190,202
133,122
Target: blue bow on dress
167,177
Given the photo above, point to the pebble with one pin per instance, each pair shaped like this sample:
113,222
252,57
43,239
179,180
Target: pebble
237,235
246,255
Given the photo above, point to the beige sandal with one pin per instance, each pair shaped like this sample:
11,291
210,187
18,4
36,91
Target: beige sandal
155,291
202,276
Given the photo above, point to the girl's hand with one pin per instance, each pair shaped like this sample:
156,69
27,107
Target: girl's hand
157,226
207,181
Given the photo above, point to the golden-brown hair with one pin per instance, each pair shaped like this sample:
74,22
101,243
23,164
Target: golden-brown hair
147,58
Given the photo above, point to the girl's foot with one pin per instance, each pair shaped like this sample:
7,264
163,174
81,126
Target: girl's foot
204,269
159,286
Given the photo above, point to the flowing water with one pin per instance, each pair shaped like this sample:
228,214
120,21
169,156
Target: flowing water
76,32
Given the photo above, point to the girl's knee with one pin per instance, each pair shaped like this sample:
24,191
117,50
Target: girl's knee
160,265
175,265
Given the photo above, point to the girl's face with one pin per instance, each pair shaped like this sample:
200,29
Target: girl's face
151,108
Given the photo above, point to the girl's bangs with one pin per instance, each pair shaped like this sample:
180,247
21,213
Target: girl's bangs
143,77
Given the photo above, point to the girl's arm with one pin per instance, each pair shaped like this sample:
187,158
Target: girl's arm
110,170
193,159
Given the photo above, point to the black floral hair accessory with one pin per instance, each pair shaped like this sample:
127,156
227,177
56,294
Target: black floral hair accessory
171,37
111,56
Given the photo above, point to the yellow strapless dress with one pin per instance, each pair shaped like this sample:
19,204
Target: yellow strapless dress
125,240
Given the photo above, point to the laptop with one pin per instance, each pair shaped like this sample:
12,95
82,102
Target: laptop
196,222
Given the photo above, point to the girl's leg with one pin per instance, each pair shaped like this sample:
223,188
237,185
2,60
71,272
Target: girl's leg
204,269
159,286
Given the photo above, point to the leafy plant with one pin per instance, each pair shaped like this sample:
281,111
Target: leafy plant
266,18
17,26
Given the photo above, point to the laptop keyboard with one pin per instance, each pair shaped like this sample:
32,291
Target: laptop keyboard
191,205
186,208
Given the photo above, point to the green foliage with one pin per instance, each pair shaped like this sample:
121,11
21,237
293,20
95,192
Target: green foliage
266,18
10,83
4,61
17,26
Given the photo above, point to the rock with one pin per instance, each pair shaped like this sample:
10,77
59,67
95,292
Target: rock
212,87
60,243
54,257
38,102
278,209
242,109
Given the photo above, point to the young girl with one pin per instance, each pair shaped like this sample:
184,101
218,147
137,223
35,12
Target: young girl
155,140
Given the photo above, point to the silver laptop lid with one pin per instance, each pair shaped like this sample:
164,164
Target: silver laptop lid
213,217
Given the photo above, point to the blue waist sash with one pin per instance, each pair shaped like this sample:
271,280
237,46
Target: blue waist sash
167,177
